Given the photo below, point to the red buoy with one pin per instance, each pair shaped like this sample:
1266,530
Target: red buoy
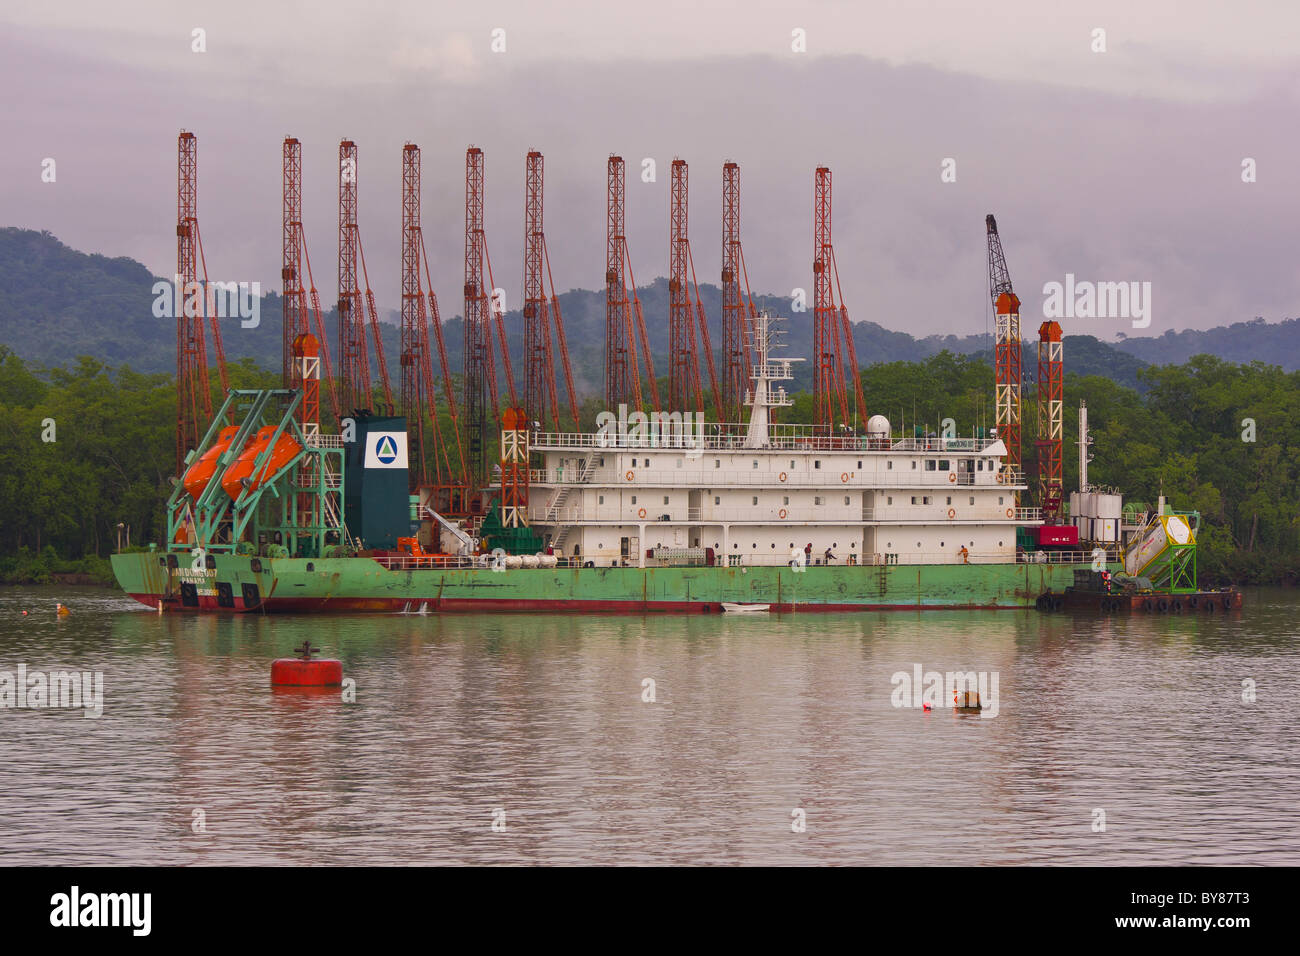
302,671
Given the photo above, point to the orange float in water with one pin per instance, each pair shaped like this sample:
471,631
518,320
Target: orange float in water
302,671
232,479
200,473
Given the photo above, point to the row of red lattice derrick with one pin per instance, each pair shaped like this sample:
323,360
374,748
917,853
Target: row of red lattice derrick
684,380
621,380
353,367
1050,413
539,354
355,313
193,398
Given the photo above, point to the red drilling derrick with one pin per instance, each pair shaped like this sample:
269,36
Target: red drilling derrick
620,357
540,393
290,271
684,382
414,342
299,317
737,309
354,382
479,366
833,346
354,365
624,318
683,356
193,396
1051,402
1006,348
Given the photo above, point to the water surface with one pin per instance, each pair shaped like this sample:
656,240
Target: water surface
458,717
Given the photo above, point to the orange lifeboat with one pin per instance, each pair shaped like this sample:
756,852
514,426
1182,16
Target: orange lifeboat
232,480
200,473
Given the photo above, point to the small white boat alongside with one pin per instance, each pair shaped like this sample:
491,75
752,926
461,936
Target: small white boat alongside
745,608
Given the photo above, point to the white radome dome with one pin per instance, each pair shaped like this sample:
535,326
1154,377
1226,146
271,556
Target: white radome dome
877,426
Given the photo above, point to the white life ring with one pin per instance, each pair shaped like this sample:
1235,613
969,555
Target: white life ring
640,513
629,476
782,476
781,513
1011,512
952,477
844,477
952,512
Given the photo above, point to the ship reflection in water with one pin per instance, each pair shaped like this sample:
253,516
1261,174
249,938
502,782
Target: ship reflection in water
692,739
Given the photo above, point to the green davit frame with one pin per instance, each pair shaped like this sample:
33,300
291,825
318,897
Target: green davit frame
291,509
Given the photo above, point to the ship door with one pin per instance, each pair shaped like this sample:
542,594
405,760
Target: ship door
968,467
625,547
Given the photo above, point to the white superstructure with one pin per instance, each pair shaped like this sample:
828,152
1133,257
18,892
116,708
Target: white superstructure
671,489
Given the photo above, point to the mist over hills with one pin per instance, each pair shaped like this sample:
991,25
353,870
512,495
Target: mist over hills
57,303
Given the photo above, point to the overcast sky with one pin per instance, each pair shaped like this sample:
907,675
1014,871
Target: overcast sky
1123,165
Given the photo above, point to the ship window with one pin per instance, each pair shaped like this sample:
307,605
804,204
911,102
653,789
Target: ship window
999,543
792,465
944,464
925,500
930,464
634,499
600,499
979,465
817,500
785,499
914,464
647,462
817,463
950,499
756,499
859,464
679,463
914,501
889,500
889,544
717,463
601,461
774,545
717,500
755,462
665,499
889,465
846,499
999,499
972,499
755,547
941,544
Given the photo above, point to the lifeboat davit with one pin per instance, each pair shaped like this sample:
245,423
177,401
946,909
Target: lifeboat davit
232,480
200,473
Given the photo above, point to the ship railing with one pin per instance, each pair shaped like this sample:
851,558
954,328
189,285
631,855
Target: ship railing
327,441
938,513
680,435
1062,557
826,478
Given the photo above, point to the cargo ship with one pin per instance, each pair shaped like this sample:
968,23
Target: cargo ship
649,512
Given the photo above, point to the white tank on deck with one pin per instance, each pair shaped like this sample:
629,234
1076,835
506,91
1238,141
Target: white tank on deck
877,426
1109,506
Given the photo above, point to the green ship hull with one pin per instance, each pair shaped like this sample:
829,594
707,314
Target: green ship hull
238,583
